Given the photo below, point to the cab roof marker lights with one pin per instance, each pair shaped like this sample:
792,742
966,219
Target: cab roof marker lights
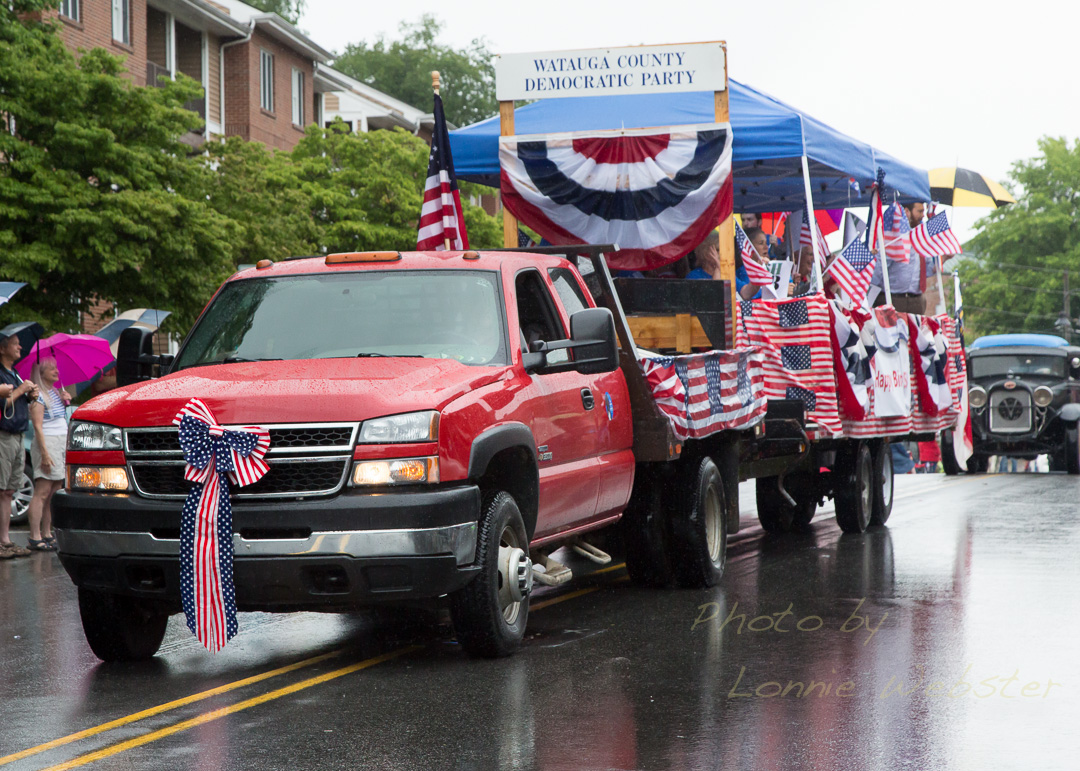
348,257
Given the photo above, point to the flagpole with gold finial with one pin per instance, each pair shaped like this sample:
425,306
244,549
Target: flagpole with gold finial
435,85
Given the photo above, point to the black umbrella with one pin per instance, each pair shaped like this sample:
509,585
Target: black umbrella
28,332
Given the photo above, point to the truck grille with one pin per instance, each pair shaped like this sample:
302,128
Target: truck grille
1010,411
286,477
284,439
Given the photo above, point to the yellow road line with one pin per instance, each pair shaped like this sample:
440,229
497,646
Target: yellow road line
208,717
608,569
168,706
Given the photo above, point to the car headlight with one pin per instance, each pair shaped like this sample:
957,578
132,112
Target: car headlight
108,478
977,397
410,427
396,471
94,436
1043,396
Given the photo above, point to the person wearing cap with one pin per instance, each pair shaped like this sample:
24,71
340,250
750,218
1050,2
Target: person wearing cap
16,396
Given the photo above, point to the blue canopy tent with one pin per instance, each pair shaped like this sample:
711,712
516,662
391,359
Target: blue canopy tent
770,140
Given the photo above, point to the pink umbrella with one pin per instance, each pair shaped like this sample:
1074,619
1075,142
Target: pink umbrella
78,357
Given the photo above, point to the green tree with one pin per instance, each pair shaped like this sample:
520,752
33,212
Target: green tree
259,189
1014,279
402,68
97,193
365,190
290,10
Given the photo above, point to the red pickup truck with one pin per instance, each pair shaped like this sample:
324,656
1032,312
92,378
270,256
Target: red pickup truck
434,419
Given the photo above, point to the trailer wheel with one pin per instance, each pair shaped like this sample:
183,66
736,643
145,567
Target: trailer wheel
699,526
948,454
883,485
854,489
775,513
120,628
490,612
645,537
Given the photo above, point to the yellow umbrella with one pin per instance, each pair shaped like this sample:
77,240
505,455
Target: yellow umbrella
963,187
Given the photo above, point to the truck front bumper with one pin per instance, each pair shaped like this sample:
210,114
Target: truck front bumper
335,553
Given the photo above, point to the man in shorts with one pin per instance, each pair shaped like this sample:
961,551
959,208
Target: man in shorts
16,396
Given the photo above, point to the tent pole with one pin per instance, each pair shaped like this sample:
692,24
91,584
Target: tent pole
815,270
506,129
727,224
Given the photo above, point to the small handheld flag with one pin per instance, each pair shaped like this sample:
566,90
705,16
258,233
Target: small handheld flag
758,274
934,238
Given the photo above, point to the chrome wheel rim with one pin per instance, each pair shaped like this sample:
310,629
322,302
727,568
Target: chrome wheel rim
887,475
20,499
865,485
714,524
511,608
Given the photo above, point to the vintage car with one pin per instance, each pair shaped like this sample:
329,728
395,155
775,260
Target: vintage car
1024,392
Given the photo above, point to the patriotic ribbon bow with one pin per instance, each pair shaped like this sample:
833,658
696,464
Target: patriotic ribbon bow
215,457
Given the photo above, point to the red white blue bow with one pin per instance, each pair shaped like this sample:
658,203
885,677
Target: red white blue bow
215,456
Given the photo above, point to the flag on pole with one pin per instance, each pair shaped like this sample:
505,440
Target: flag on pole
442,223
852,270
854,227
934,238
875,237
821,248
758,274
897,233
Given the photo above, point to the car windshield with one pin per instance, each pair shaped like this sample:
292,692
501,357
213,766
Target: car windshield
1017,365
432,314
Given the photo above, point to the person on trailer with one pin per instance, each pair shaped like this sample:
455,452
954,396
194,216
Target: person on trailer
907,280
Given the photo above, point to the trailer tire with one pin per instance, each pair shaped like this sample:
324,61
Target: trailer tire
487,621
883,485
948,454
775,513
120,628
645,537
854,488
699,526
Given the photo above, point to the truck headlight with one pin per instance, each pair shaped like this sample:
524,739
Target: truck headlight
108,478
94,436
1043,396
396,471
394,429
977,397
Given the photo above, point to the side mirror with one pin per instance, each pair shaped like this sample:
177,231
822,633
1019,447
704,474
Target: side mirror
135,358
596,349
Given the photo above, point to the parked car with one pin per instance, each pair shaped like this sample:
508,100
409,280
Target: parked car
1024,392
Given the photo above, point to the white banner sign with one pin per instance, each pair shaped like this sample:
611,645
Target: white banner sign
611,71
781,270
890,366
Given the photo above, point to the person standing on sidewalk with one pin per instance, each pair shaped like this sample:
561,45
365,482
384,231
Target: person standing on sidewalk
49,417
14,418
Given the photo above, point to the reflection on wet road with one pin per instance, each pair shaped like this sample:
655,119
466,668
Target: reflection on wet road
946,640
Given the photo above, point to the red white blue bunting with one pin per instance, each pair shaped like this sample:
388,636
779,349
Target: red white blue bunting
215,457
656,193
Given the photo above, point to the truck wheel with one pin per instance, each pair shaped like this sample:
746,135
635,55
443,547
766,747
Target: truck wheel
645,536
490,611
854,489
699,526
775,513
120,628
883,485
1072,450
948,454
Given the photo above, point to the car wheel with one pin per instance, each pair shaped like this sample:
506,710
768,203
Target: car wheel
1072,449
978,464
20,499
490,612
854,488
120,628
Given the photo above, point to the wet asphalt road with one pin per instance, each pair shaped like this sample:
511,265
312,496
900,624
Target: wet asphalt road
946,640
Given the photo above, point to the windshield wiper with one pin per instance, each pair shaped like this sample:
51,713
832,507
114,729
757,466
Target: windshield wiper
238,360
371,355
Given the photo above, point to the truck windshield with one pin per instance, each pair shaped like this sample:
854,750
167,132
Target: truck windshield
432,314
1018,365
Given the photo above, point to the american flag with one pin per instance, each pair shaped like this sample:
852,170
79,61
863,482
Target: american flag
794,336
852,270
897,233
755,271
934,238
524,242
821,251
442,224
708,392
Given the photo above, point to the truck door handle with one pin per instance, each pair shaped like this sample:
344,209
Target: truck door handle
587,399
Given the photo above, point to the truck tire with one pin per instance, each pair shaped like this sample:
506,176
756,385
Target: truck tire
699,526
1072,450
490,612
120,628
775,513
883,485
948,454
644,533
854,488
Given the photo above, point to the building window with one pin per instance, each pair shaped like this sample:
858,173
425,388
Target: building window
298,97
70,9
121,21
266,73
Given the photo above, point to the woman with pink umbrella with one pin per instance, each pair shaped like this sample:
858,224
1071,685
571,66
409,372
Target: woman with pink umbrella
49,417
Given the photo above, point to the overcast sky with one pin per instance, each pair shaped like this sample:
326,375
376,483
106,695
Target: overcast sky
933,83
